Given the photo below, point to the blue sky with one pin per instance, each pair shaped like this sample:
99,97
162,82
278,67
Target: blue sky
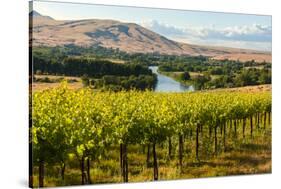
196,27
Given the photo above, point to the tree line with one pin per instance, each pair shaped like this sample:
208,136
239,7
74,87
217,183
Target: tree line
119,83
220,74
97,73
79,66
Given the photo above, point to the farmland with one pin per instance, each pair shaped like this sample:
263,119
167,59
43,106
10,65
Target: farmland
105,137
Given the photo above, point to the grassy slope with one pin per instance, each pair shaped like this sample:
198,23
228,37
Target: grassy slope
128,37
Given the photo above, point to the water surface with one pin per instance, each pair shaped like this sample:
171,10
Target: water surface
167,84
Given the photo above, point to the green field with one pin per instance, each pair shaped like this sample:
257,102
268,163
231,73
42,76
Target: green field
83,137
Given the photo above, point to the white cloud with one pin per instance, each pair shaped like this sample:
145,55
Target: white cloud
253,36
163,28
255,32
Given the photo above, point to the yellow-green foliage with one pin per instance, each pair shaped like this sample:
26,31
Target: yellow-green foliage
84,123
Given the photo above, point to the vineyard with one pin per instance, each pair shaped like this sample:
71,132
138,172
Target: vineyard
79,129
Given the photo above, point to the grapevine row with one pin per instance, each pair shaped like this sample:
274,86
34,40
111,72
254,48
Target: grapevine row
86,123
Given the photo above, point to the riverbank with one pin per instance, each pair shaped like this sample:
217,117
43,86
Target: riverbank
253,88
176,77
169,84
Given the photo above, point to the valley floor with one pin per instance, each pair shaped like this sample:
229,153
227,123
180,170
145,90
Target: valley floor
39,86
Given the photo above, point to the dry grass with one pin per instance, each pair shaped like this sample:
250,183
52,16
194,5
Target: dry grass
251,89
58,76
243,57
44,86
117,61
39,86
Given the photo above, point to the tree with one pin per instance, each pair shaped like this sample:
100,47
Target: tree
201,80
185,76
85,80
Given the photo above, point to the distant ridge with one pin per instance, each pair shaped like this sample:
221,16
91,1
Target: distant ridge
128,37
37,14
34,13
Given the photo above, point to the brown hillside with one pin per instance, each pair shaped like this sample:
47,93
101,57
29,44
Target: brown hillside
127,37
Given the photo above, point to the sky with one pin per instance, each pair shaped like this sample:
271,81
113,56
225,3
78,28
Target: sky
195,27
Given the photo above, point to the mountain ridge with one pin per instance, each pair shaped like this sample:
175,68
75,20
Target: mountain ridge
128,37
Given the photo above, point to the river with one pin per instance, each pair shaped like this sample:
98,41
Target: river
167,84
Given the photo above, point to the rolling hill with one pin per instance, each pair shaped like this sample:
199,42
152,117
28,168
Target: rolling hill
129,37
